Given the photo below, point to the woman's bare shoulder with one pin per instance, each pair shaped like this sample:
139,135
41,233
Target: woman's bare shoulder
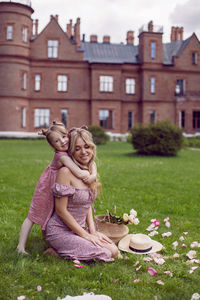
64,176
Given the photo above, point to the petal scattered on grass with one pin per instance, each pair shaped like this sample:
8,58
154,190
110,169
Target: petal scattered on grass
21,297
153,232
192,270
136,263
151,271
167,224
174,245
185,232
76,261
166,219
176,255
147,259
168,273
184,245
195,244
39,288
137,269
160,282
181,238
191,254
166,234
150,227
78,266
136,280
115,280
159,261
195,296
156,222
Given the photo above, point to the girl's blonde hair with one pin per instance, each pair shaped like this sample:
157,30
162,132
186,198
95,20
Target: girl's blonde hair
54,127
86,136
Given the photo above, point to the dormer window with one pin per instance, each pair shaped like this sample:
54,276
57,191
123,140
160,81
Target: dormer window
194,58
52,48
153,50
9,32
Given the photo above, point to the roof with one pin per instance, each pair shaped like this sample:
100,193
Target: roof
123,53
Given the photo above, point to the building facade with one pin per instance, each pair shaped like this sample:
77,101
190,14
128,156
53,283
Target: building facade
55,74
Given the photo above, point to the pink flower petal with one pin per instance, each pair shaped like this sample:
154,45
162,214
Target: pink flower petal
151,271
76,261
160,282
176,255
181,238
192,270
183,245
136,263
185,232
137,269
159,261
166,234
156,222
115,280
191,254
39,288
21,297
147,259
166,219
136,280
78,266
175,244
194,244
167,224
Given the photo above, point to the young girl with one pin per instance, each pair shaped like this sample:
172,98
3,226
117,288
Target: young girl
42,204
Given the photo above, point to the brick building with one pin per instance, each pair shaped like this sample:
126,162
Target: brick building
57,75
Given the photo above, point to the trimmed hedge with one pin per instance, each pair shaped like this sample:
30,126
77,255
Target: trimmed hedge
99,135
162,138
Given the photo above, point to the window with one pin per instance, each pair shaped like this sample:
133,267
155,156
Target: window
194,58
25,34
153,50
52,48
153,84
106,118
23,117
152,116
24,80
180,87
130,120
37,82
106,84
9,32
182,119
196,119
62,83
130,86
41,117
64,114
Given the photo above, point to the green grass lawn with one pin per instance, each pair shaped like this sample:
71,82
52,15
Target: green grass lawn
156,187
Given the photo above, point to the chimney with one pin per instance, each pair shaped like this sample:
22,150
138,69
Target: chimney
35,27
56,17
69,29
130,37
77,32
150,26
106,39
93,38
173,38
176,34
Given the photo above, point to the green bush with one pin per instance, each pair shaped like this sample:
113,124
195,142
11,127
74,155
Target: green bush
162,138
99,135
193,142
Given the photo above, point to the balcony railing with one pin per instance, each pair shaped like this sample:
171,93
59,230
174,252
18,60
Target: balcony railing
156,28
24,2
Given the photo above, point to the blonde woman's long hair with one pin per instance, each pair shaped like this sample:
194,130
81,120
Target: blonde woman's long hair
86,136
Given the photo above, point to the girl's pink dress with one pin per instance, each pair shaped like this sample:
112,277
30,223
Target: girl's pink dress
68,244
42,205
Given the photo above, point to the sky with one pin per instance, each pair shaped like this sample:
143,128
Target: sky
116,17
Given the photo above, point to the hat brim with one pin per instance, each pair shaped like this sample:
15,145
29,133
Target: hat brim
124,245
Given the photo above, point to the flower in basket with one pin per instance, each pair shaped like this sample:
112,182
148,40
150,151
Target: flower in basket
125,219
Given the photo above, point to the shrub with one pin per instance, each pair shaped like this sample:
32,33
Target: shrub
193,142
99,135
162,138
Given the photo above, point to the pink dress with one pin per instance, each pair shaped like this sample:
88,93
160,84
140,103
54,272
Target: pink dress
68,244
42,205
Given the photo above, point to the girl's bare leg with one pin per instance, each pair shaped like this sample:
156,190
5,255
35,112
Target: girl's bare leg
23,236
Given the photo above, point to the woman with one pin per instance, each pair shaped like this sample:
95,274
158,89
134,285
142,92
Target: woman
66,231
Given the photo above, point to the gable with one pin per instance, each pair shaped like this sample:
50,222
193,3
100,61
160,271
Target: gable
66,49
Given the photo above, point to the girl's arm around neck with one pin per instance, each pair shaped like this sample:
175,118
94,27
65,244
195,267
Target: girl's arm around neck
68,162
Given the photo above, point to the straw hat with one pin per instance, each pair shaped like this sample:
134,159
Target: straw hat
139,244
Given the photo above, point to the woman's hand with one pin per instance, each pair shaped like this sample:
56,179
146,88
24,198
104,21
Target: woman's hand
103,238
94,239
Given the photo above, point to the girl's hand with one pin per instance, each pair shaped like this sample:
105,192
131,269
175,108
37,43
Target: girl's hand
103,238
89,179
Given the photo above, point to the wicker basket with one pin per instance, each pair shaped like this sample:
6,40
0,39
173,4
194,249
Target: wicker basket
114,231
